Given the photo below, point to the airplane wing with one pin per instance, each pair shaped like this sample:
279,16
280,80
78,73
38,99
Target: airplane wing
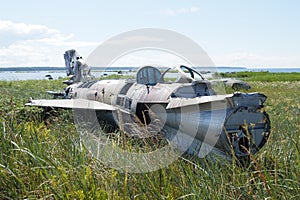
71,104
181,102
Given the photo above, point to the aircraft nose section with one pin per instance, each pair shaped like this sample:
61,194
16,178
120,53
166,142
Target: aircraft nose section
232,125
247,130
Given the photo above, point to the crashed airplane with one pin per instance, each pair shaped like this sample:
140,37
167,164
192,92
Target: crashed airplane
191,112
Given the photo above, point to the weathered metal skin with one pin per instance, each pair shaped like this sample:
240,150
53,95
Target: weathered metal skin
193,117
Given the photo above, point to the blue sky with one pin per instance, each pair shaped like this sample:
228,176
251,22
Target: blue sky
233,32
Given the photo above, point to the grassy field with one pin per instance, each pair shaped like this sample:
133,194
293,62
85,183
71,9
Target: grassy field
262,76
45,160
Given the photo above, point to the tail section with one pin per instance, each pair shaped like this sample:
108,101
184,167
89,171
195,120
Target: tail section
76,68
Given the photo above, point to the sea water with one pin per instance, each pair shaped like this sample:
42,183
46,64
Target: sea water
55,74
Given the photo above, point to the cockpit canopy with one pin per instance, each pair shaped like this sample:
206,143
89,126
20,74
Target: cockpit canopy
149,75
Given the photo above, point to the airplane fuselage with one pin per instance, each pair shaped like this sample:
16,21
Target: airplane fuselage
188,111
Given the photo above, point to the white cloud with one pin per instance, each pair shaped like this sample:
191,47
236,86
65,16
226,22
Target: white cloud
251,60
22,28
180,11
36,45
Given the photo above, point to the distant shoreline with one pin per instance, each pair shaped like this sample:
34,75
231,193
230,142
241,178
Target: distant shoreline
116,68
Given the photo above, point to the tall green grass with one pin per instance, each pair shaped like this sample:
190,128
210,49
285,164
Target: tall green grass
44,159
261,76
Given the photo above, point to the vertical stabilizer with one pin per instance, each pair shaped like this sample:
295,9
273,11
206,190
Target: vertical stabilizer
76,68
